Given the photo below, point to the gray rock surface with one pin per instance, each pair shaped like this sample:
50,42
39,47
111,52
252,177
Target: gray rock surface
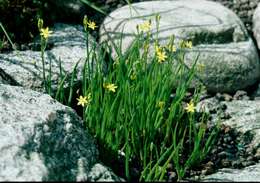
101,173
256,25
244,115
248,174
68,10
67,44
243,8
228,53
41,139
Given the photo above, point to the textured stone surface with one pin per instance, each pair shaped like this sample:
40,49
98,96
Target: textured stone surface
244,116
248,174
256,25
68,10
41,139
24,68
228,53
101,173
243,8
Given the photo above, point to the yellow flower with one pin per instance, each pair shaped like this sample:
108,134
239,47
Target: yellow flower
45,32
92,25
201,67
185,44
146,26
161,56
146,47
172,48
161,104
188,44
190,107
83,101
157,49
110,87
182,44
158,17
40,23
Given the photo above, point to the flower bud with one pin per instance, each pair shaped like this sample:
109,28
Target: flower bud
40,23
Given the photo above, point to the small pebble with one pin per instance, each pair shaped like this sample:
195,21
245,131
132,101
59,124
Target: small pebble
240,95
222,154
249,158
204,172
220,97
257,154
172,176
237,164
227,97
248,163
225,163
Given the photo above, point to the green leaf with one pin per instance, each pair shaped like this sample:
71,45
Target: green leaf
92,5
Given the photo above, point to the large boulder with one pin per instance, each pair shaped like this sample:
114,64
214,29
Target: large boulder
24,68
256,25
69,10
243,8
228,53
41,139
244,116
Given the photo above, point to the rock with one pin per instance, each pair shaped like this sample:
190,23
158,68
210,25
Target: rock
241,95
256,25
257,155
41,139
224,96
248,174
101,173
69,10
25,67
243,8
244,117
219,37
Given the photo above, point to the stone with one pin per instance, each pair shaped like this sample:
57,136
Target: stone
41,139
69,10
241,95
243,8
244,116
218,35
256,25
248,174
24,68
101,173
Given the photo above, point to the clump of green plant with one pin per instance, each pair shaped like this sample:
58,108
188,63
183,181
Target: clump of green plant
130,110
137,106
